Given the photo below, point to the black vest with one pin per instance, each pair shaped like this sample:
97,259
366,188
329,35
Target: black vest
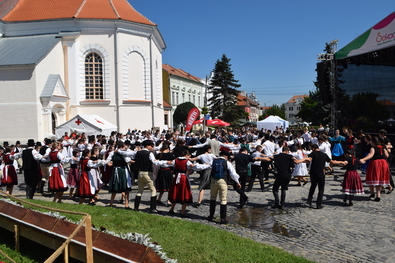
28,161
142,161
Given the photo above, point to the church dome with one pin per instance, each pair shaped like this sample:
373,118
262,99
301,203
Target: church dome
38,10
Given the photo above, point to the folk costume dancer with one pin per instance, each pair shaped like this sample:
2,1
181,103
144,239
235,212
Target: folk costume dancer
317,176
204,183
10,177
378,173
164,178
283,162
144,159
31,168
86,188
352,183
74,173
45,163
220,187
57,181
120,180
180,191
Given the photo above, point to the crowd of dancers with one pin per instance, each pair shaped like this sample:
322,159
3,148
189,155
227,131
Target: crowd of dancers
164,160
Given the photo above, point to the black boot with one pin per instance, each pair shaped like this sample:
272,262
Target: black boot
350,202
41,188
283,195
213,203
137,201
276,200
243,201
28,189
153,205
223,214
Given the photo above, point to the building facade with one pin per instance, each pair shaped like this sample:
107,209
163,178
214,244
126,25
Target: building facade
63,58
179,87
292,107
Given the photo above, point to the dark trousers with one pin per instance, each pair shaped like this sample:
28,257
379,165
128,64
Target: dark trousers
320,181
31,180
256,170
243,180
283,182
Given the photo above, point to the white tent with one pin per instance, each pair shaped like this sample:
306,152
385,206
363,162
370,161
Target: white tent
89,124
271,122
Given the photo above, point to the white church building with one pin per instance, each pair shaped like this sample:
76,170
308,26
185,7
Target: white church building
62,58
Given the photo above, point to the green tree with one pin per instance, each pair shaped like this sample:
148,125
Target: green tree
312,109
223,87
181,113
275,110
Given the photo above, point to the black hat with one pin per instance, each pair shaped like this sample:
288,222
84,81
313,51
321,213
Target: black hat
147,143
38,144
18,142
48,141
30,142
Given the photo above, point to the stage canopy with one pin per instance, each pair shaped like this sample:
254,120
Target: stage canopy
380,36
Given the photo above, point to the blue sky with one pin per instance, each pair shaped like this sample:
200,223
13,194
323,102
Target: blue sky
273,45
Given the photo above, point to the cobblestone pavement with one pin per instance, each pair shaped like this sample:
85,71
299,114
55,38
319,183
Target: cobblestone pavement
337,233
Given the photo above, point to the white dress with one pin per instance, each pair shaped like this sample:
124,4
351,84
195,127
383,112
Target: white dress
300,168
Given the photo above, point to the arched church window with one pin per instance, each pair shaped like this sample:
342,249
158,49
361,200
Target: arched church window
93,76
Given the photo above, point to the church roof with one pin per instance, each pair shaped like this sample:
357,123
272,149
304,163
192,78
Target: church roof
35,10
28,50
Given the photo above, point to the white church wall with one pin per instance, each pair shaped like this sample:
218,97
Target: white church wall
18,104
53,63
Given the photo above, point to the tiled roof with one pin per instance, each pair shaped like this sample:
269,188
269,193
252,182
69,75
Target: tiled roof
33,10
245,101
179,72
386,102
294,98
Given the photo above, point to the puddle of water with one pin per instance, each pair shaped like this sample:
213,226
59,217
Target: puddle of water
260,218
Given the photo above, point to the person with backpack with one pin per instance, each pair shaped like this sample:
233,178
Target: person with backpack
221,173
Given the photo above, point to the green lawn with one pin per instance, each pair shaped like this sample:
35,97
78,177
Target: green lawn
180,239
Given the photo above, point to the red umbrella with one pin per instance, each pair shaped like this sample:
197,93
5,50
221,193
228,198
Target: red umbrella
200,121
218,122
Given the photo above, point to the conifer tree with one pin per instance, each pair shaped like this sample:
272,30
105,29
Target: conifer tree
223,87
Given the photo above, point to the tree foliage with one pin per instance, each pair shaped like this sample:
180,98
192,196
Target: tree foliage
275,110
181,113
312,109
223,87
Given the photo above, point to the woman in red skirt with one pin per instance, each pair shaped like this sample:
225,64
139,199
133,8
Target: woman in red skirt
9,178
86,187
378,172
106,170
57,180
74,172
352,183
180,191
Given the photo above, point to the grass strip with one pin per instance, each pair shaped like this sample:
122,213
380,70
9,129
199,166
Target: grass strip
180,239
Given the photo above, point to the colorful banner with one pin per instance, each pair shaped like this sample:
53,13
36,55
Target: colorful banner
380,36
192,116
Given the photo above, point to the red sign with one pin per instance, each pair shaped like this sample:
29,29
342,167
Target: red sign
192,116
78,121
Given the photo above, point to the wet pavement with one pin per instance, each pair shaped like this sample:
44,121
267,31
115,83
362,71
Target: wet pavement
363,232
